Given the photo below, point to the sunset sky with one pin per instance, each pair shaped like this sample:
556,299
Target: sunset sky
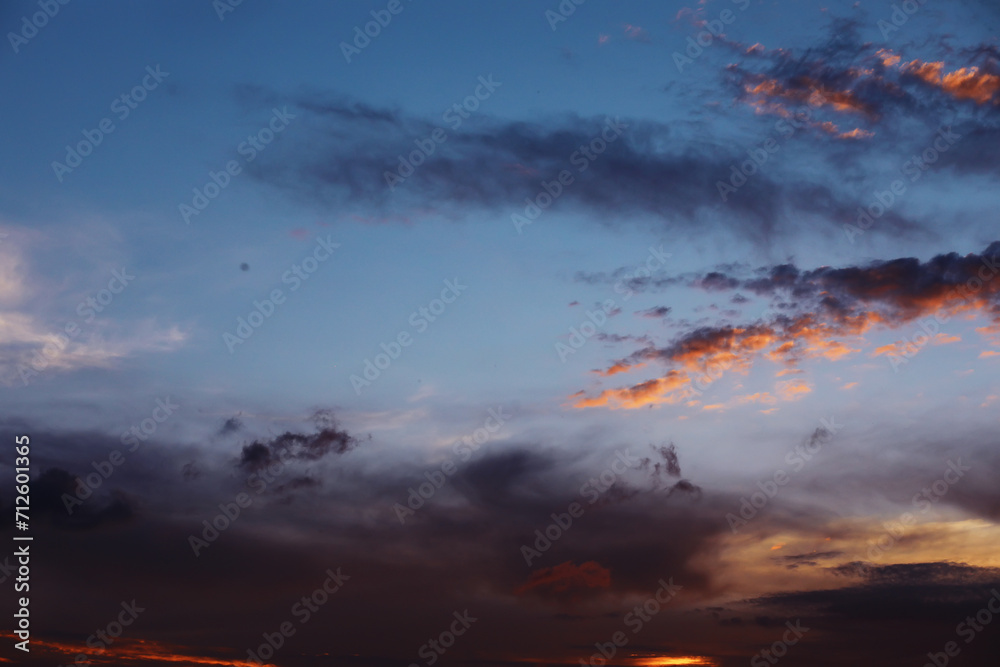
408,333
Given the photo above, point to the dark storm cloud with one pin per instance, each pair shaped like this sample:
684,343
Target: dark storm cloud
461,550
901,591
49,494
941,573
496,481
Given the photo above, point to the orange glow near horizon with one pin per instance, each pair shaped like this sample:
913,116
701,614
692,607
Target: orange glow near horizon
663,661
134,649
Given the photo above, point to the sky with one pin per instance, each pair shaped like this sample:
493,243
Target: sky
401,333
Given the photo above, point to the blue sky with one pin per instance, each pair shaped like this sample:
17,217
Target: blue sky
736,177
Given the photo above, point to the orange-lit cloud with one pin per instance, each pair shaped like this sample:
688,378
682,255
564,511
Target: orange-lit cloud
966,83
636,33
856,133
899,348
566,577
758,397
770,96
808,91
838,308
618,368
888,58
667,389
792,390
856,90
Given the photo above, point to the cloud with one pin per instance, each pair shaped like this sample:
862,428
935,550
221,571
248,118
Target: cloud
810,559
903,600
652,524
345,149
656,312
939,573
618,368
965,83
327,439
566,578
636,33
231,425
846,77
828,311
466,538
671,388
51,489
